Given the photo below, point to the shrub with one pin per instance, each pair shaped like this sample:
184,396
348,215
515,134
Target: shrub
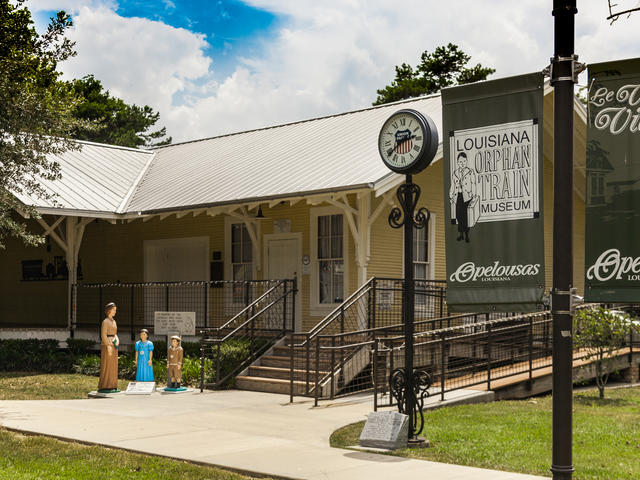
127,367
232,354
34,356
90,365
79,346
159,369
600,332
87,365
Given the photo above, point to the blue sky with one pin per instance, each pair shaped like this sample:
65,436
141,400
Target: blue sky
221,66
232,28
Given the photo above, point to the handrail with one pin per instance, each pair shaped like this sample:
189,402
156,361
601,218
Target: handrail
329,318
165,283
362,300
265,324
355,296
243,311
371,339
459,337
321,381
256,315
496,321
423,322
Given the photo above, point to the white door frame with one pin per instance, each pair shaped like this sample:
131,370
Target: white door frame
266,238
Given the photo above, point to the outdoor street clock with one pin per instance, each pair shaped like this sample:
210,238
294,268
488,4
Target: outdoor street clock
408,141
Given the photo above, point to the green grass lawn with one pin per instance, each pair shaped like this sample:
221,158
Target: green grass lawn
516,435
36,457
59,386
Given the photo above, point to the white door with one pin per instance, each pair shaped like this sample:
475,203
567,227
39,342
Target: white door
176,260
283,258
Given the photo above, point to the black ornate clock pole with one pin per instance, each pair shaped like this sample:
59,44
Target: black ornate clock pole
409,386
407,144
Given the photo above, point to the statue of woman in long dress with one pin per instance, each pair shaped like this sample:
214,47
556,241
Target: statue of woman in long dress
108,382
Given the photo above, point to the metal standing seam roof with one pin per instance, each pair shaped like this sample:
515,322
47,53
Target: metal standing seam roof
333,153
324,154
96,178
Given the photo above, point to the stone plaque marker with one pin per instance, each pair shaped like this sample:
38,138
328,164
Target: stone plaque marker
385,430
182,322
141,388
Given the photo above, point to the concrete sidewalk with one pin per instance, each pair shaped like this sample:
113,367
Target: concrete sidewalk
251,432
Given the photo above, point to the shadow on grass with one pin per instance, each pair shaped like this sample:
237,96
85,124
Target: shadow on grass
19,374
602,402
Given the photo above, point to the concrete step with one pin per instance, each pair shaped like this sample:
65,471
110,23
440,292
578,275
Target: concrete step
285,362
283,373
285,351
271,385
269,336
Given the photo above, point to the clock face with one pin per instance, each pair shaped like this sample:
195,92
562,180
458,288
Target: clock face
405,141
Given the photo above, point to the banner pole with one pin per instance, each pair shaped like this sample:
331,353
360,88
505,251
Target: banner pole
563,77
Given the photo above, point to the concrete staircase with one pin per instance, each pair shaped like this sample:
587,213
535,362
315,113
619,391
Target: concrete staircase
272,372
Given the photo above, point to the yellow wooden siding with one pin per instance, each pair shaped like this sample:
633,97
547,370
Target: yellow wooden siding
387,243
41,302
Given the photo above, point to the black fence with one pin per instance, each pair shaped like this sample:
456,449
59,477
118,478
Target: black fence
214,303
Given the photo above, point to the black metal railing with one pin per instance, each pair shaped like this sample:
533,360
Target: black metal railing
466,355
214,303
332,357
479,354
458,352
346,358
236,344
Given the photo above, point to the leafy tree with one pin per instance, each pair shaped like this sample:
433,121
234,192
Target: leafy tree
445,67
36,111
600,332
111,120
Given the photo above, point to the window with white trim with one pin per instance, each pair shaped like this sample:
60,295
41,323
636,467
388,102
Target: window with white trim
421,257
241,252
240,262
423,263
330,259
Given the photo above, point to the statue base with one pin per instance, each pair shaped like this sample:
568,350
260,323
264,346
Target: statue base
174,390
109,390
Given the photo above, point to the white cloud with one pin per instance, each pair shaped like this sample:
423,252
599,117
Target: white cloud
138,60
327,57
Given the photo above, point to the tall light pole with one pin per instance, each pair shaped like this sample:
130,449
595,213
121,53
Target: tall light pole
563,77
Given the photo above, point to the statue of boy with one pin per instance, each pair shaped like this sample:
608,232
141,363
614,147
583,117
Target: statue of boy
174,363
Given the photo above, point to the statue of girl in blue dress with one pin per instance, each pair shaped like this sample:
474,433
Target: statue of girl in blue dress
144,357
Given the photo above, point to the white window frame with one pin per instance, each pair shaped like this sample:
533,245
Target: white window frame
432,250
431,238
228,266
231,306
316,308
431,255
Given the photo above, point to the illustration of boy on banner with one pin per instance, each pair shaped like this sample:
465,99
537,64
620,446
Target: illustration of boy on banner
465,202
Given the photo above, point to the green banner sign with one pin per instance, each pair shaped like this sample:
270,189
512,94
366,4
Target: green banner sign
612,250
493,195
